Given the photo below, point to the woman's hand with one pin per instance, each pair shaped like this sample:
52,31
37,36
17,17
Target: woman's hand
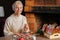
17,34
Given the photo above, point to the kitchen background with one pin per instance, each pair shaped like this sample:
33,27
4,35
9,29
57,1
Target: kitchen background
37,12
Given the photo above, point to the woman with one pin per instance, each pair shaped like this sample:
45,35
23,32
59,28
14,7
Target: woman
16,23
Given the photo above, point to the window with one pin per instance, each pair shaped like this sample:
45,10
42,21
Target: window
1,11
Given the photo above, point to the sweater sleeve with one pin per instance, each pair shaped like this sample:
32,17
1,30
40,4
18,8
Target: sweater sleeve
7,30
26,27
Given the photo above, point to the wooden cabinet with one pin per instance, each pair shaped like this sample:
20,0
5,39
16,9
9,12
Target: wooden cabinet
58,2
29,7
29,2
31,21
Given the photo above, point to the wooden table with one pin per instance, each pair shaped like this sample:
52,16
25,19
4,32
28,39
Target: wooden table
6,38
38,38
45,38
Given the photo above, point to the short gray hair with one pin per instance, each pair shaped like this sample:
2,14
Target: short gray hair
16,2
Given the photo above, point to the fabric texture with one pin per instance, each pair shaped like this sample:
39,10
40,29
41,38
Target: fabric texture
15,24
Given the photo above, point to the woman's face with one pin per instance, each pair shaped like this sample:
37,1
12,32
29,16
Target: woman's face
18,8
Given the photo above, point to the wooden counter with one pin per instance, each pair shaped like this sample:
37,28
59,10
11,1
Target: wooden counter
38,38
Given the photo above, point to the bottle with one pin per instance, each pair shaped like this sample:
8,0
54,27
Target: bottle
15,37
34,37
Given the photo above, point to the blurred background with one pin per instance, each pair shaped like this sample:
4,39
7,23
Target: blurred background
37,12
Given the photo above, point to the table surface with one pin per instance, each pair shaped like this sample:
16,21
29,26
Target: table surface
38,38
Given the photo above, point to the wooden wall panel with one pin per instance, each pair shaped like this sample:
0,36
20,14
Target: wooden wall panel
31,21
27,9
29,3
58,2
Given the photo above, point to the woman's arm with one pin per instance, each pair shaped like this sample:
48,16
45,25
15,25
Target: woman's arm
7,28
26,27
